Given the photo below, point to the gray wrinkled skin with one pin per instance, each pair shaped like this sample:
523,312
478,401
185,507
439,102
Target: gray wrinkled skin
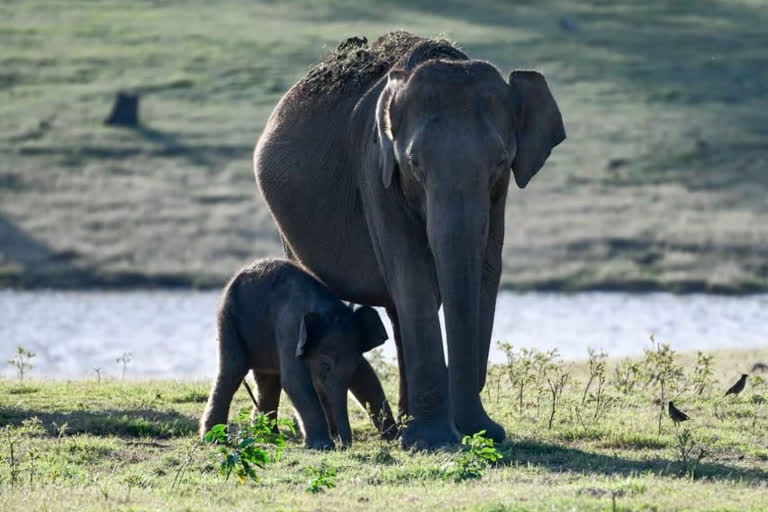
292,333
386,169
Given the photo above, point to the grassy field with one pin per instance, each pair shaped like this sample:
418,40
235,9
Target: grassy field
88,445
661,183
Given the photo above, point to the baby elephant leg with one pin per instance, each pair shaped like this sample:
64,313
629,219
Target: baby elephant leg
267,395
297,382
366,388
230,374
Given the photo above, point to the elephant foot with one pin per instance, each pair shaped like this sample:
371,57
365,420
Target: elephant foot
428,435
319,444
473,425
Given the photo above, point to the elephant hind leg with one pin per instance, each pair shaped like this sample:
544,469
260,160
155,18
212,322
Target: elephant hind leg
366,388
267,394
228,379
233,366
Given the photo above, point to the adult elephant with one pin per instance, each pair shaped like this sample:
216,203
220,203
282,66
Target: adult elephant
386,169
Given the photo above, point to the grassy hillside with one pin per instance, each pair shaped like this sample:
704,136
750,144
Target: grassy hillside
87,445
661,183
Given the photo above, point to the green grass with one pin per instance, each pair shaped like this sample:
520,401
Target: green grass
661,183
126,443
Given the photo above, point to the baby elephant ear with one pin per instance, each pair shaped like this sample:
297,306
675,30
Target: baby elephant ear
373,333
308,333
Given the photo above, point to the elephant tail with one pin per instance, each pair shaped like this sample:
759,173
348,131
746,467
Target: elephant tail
232,366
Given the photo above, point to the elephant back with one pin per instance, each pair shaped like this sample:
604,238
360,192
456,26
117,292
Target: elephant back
355,66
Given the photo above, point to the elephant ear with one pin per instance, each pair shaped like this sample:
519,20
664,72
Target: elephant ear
384,128
540,126
309,333
372,331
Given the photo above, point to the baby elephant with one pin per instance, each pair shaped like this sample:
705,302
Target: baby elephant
284,325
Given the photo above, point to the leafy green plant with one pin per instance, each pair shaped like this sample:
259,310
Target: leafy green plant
61,430
251,443
703,372
596,370
11,439
526,368
543,363
22,361
493,380
689,453
184,466
662,372
477,454
321,478
626,375
556,385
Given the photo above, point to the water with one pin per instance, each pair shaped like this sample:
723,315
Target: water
171,333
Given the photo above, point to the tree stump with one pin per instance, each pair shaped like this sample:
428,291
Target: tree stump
125,110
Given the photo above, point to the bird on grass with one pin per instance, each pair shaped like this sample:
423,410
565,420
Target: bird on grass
738,387
676,414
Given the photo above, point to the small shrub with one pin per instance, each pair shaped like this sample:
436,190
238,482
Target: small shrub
321,478
251,443
556,385
598,397
124,360
689,453
478,453
527,369
662,372
703,372
626,375
11,440
596,370
493,381
22,361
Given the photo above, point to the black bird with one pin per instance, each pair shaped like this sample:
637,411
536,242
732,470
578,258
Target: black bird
738,387
676,414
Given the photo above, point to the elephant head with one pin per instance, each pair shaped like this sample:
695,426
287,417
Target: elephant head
333,344
449,133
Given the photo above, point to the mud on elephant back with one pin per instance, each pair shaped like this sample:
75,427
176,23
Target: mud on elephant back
386,169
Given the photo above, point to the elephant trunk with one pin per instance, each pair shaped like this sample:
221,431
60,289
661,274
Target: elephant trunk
457,228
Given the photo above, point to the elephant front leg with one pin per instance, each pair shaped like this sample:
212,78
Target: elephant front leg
297,383
467,326
488,293
430,423
489,284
